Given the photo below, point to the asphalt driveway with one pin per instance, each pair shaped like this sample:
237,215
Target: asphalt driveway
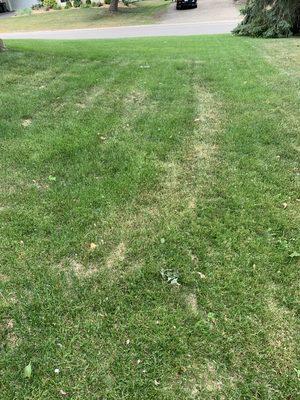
207,11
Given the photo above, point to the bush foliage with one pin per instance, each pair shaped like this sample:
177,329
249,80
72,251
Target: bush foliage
270,18
77,3
49,3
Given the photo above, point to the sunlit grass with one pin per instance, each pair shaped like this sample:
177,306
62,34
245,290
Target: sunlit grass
143,12
122,159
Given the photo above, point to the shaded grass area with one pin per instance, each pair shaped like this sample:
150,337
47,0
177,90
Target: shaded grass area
143,12
120,159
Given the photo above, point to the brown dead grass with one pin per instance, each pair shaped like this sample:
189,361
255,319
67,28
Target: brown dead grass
116,256
4,278
192,303
82,271
183,183
72,267
192,203
285,54
90,97
205,151
207,380
136,97
10,337
283,334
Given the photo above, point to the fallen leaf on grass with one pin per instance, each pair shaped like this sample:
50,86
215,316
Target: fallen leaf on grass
27,371
26,122
202,276
93,246
170,276
295,254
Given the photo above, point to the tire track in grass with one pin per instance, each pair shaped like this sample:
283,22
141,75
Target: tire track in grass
187,181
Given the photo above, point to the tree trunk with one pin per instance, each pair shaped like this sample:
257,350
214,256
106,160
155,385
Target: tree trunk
296,27
114,4
2,45
270,18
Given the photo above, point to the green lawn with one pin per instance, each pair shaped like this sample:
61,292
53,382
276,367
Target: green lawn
123,158
144,12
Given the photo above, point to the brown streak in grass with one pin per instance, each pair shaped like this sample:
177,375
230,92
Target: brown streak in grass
184,180
192,303
282,336
116,256
11,338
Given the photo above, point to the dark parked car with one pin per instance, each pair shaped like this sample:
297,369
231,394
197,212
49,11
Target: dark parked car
180,4
3,7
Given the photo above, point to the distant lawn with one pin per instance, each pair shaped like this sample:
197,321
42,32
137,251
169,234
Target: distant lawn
143,12
124,159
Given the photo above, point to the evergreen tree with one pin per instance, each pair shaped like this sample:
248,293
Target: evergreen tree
270,18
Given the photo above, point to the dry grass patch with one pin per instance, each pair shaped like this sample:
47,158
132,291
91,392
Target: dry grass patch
208,381
82,271
182,182
72,267
4,278
283,336
10,338
135,98
284,54
116,256
90,97
192,303
205,151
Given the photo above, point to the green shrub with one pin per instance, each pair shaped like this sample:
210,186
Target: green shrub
49,3
77,3
24,11
269,18
37,6
88,2
68,4
106,1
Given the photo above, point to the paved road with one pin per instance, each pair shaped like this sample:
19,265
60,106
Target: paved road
7,15
211,17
